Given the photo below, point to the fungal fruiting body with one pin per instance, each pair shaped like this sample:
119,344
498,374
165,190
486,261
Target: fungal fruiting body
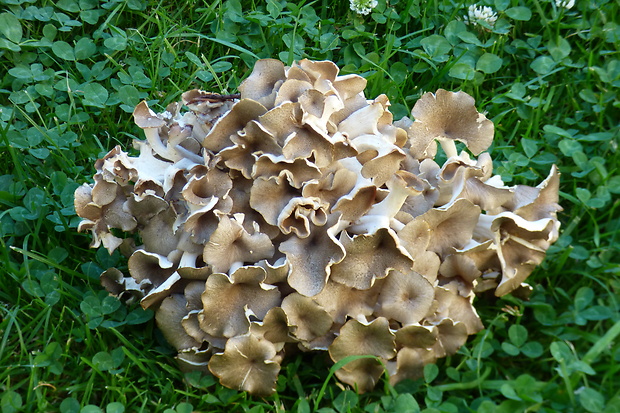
300,215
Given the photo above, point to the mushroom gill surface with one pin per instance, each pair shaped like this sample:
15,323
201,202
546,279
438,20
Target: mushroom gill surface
299,216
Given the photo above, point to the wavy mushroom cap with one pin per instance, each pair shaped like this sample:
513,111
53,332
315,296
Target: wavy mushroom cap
357,338
452,227
448,117
247,363
405,297
311,259
228,302
369,257
230,244
308,318
264,81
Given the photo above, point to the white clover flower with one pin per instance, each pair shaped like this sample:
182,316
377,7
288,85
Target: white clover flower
567,4
477,14
363,6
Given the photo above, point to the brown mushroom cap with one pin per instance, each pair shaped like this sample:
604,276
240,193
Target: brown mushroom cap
291,90
264,81
410,363
452,227
460,265
252,141
155,268
452,335
417,336
448,116
488,197
231,243
269,195
226,301
235,120
169,316
317,110
401,185
201,189
332,185
158,235
153,126
248,364
311,258
405,297
427,263
369,257
341,301
309,319
319,71
282,121
356,338
275,327
298,171
300,213
450,304
545,205
349,86
415,236
194,360
518,258
521,245
144,117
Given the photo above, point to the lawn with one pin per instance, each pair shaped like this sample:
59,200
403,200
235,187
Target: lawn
547,73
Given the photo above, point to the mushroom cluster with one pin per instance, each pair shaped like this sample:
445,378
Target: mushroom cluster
298,215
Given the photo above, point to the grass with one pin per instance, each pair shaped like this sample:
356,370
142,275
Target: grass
71,73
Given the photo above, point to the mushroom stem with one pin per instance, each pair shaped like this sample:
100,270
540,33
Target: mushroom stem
396,224
483,231
235,266
194,157
188,259
449,147
392,203
152,136
380,215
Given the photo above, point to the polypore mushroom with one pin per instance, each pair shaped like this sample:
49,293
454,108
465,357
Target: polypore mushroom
169,316
448,117
369,257
241,113
401,185
311,258
308,319
342,301
231,245
298,214
405,297
251,141
274,327
269,195
521,245
264,82
247,363
100,219
452,227
298,171
363,339
228,302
